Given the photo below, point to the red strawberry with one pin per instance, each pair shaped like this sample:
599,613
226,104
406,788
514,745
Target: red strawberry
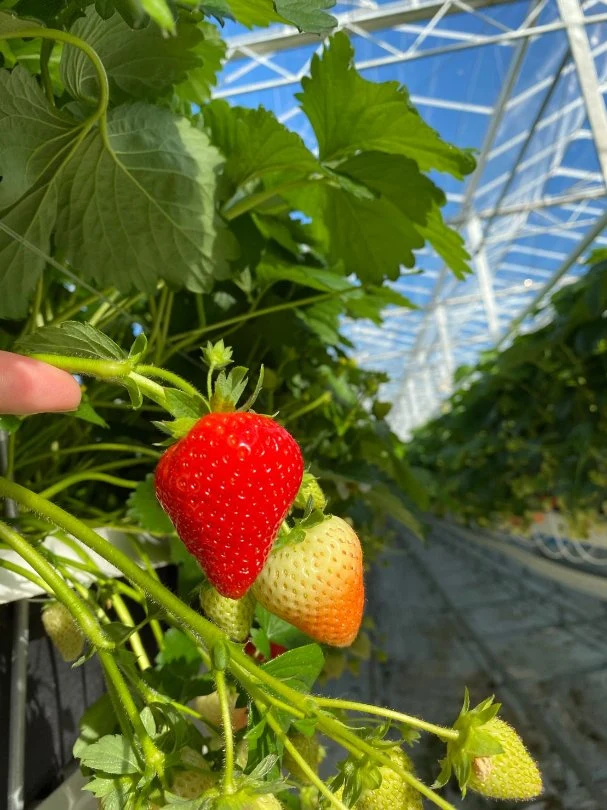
317,584
227,486
275,651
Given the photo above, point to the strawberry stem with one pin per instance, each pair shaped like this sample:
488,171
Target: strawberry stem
414,722
57,585
154,759
224,702
78,478
195,624
170,377
297,757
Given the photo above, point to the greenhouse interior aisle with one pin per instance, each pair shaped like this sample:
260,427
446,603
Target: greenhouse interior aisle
450,615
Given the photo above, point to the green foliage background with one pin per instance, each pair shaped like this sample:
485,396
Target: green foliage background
130,197
526,431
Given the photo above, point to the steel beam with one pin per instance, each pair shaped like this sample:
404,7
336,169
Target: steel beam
573,257
573,16
485,281
385,16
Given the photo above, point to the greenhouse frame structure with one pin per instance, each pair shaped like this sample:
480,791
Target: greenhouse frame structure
534,205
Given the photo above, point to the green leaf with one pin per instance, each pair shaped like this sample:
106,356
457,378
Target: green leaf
253,12
308,15
111,754
323,320
141,63
72,339
97,721
160,12
117,793
100,786
371,302
145,510
447,242
180,404
255,143
31,219
34,138
178,648
32,134
482,744
370,236
211,51
314,277
350,114
9,424
299,668
87,413
279,631
139,348
9,22
147,718
139,205
388,175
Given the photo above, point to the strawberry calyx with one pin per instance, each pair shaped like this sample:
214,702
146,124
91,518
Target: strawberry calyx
291,535
474,742
310,495
251,791
223,394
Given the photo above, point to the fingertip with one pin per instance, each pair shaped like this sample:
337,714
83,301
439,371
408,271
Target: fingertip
29,386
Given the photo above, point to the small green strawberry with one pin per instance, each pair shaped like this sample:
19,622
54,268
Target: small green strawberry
312,752
393,793
63,631
512,774
489,757
209,708
190,783
246,799
233,616
194,778
310,488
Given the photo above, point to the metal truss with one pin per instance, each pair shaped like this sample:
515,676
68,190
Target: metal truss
537,200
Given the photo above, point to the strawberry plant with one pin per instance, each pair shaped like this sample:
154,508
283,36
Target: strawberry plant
138,219
525,432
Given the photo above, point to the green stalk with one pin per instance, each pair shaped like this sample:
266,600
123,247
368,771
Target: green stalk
70,39
185,339
228,733
170,377
158,320
26,574
124,614
80,611
312,776
415,722
111,370
32,323
87,448
166,323
103,308
74,309
204,629
154,759
327,396
342,735
45,54
207,632
78,478
254,200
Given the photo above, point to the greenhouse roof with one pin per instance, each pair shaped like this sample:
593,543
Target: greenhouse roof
524,84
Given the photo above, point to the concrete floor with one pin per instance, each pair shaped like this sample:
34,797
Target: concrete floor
449,615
